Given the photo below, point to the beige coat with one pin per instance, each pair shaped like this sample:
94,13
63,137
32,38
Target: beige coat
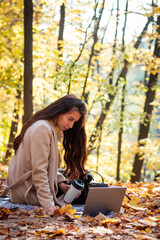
33,172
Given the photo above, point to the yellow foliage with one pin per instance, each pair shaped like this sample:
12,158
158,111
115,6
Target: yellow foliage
50,232
67,209
56,53
114,221
58,232
3,170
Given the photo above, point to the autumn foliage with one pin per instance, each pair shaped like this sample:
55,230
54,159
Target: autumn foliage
139,219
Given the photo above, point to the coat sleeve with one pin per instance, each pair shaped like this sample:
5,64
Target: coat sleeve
40,141
61,178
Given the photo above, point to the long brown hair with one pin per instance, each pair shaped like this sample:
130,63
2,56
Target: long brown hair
75,140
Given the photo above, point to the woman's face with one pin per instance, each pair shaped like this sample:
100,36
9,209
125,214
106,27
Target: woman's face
67,120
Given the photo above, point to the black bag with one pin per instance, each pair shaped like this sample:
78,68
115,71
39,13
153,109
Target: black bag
87,179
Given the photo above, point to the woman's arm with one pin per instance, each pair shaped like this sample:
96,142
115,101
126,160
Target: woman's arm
40,140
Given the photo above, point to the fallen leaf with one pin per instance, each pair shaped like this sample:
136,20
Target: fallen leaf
22,223
69,216
157,202
65,209
100,217
42,216
100,230
88,218
134,206
148,230
4,231
4,212
144,237
77,216
50,231
24,228
132,223
114,221
147,222
57,233
61,218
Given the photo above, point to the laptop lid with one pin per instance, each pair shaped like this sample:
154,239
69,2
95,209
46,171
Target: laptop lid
104,200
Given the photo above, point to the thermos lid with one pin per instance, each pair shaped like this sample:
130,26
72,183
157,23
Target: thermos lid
78,184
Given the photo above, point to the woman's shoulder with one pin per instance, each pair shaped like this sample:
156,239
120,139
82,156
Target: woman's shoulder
40,125
39,130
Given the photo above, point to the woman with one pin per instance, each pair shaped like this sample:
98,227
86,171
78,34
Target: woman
33,176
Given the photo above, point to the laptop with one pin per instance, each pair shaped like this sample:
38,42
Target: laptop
102,199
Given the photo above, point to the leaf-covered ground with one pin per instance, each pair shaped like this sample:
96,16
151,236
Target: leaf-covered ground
139,219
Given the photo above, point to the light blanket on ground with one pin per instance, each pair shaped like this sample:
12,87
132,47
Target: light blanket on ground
6,203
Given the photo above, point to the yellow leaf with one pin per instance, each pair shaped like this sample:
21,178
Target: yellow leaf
49,231
88,218
71,211
113,221
56,53
4,212
42,216
67,209
77,216
134,204
148,230
134,207
58,232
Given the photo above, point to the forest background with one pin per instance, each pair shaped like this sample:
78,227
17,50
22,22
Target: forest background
105,52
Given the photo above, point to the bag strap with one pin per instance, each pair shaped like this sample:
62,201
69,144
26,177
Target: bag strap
16,184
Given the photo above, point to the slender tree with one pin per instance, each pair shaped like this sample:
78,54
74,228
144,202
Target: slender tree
95,40
110,76
120,133
28,59
60,36
99,137
148,108
60,42
106,107
81,49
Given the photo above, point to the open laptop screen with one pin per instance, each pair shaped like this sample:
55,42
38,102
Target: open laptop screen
104,200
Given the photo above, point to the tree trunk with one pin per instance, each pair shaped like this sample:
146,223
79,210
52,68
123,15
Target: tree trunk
28,69
13,130
110,76
60,36
98,149
120,134
148,108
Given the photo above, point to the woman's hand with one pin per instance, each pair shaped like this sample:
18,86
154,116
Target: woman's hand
64,187
50,210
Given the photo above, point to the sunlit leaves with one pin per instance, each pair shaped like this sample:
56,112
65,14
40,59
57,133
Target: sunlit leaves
66,210
11,42
140,219
50,232
4,212
155,11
